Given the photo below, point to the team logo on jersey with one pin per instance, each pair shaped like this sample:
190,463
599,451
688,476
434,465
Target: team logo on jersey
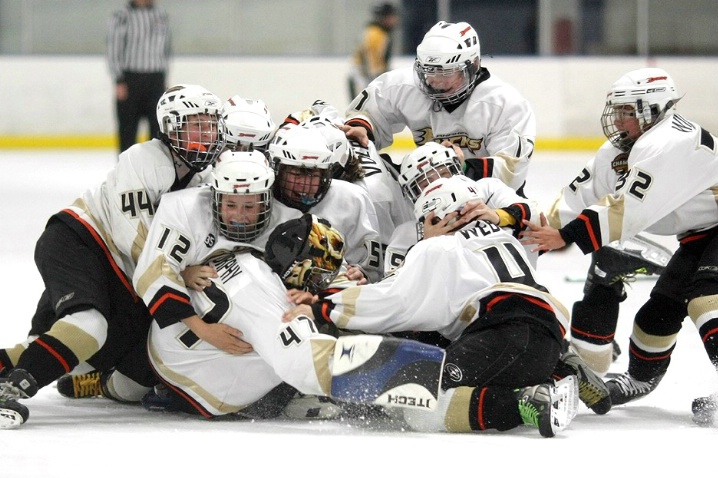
620,163
453,372
462,140
210,240
64,298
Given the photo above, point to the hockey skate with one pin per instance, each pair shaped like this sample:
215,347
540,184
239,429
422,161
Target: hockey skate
159,399
592,391
624,388
624,260
17,384
705,411
87,385
550,407
312,407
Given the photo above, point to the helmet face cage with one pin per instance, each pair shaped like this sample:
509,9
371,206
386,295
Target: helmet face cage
448,50
446,195
635,103
301,187
307,253
191,125
199,141
248,123
259,203
242,185
425,165
457,93
303,165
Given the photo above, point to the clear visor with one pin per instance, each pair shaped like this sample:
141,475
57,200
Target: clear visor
445,84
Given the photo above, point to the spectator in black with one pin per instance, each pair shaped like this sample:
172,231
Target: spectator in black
138,52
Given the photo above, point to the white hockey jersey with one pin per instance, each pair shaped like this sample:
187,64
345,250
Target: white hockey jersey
443,286
184,234
349,210
597,179
669,188
392,208
494,121
495,194
250,297
122,207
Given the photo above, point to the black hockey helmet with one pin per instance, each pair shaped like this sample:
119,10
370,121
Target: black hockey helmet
307,253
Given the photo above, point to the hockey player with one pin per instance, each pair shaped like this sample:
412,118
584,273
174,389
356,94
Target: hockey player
89,316
499,205
249,124
449,97
365,166
657,197
304,166
595,316
248,295
478,289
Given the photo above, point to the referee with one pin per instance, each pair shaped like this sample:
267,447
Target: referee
138,51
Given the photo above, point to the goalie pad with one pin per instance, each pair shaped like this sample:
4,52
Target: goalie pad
637,255
387,371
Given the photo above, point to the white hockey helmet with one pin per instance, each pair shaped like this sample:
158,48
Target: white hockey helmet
245,174
335,138
446,50
444,196
191,125
424,165
248,123
304,152
646,94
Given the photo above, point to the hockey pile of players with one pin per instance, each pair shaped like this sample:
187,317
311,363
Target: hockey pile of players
235,267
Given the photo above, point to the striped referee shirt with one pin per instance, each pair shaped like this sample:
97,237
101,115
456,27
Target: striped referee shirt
138,41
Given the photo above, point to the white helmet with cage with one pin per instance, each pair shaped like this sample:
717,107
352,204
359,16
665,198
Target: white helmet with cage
303,165
445,196
424,165
248,176
448,49
646,94
191,125
248,123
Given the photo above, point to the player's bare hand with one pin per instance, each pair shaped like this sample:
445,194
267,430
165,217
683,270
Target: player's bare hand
355,273
295,312
222,336
298,297
198,277
476,209
454,221
357,133
459,152
543,236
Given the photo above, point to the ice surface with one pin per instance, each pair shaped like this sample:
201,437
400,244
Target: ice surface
100,438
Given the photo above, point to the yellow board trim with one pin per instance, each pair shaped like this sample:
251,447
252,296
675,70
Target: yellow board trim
402,142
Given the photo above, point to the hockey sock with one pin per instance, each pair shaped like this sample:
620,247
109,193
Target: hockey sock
47,359
494,407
